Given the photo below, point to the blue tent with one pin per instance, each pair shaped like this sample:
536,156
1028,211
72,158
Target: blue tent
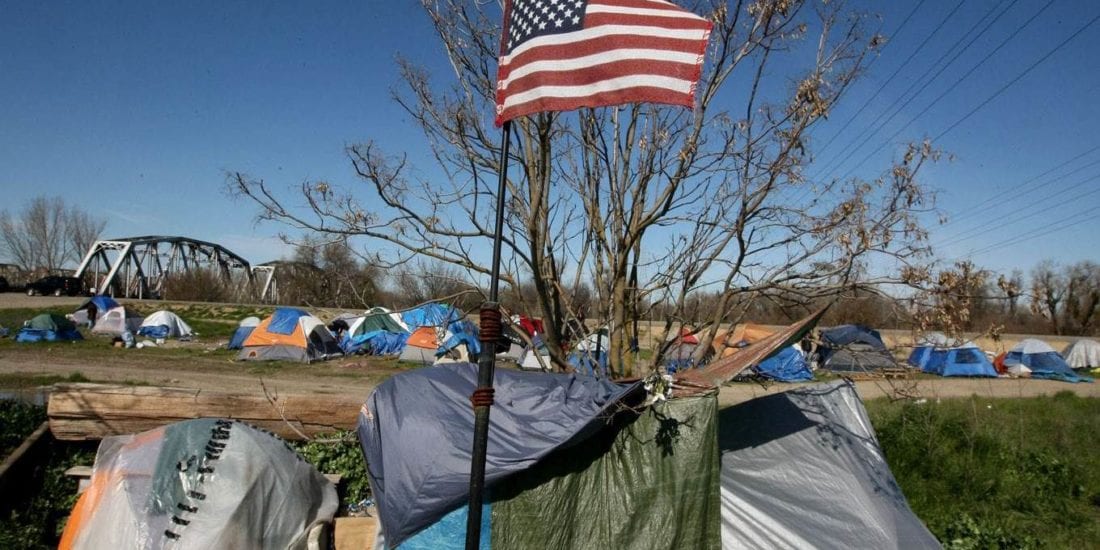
853,348
964,360
375,342
285,320
788,365
922,352
244,330
1043,361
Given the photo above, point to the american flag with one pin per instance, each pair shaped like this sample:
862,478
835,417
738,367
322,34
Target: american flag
560,55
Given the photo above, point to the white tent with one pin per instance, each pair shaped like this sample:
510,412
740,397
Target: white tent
116,321
165,324
1083,354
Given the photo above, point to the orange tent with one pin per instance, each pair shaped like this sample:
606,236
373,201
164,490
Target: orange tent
728,343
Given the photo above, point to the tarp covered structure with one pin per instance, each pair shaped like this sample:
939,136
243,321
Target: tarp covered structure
803,469
787,365
48,327
116,321
1042,361
742,335
416,431
1082,354
165,324
199,484
292,335
800,469
853,348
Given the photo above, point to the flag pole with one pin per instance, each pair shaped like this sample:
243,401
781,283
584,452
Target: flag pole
490,333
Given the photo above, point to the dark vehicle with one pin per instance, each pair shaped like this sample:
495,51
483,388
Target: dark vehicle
4,286
56,285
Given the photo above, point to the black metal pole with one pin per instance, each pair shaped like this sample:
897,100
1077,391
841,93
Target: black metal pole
486,363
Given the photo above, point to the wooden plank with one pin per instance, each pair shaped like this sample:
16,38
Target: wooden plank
81,412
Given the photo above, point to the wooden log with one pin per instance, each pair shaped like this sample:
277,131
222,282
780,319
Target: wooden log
82,412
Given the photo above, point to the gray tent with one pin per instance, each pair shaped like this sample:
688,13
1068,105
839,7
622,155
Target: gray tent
199,484
803,469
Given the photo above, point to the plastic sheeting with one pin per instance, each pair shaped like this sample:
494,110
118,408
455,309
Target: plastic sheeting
802,469
416,430
199,484
28,335
645,481
430,315
1083,354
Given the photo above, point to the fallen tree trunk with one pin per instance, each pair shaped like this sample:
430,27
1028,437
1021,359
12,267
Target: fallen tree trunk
81,412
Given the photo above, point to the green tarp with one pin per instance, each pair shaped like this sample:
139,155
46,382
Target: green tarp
645,481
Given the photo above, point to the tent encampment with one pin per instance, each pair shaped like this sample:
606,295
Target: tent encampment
377,332
1082,354
199,484
290,334
244,329
1042,361
165,324
788,365
728,343
102,305
853,348
117,321
48,327
565,452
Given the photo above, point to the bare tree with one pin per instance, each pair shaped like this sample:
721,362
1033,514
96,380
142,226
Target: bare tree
653,205
1048,290
46,234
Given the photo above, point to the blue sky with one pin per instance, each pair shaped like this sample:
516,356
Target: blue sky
136,110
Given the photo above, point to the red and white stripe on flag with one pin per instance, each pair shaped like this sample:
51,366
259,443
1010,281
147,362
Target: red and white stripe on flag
560,55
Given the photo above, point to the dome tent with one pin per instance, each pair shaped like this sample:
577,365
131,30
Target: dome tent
1042,361
290,334
199,484
103,304
964,360
853,348
1082,354
922,351
165,324
117,321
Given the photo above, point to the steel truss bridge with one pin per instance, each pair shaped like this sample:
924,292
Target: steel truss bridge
139,267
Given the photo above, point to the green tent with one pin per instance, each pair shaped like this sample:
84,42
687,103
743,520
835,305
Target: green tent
376,318
51,321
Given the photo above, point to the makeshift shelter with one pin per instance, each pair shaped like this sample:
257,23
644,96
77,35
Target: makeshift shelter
102,305
788,365
376,332
244,329
117,321
537,357
48,327
165,324
1082,354
853,348
199,484
1042,361
681,355
964,360
430,315
292,335
575,462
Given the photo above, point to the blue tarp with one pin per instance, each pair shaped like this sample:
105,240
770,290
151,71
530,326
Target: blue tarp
285,320
30,335
418,479
430,315
1048,365
102,303
376,342
959,361
589,363
462,332
239,336
159,331
788,365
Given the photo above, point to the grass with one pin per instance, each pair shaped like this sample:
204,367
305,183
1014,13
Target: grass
998,473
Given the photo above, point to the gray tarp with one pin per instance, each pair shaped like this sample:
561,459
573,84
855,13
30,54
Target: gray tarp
803,469
417,429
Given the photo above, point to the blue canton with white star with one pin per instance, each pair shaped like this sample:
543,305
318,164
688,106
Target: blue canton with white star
533,18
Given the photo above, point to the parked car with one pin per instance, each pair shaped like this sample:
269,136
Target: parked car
4,286
56,285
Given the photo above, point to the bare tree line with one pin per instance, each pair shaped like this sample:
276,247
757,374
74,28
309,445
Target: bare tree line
47,235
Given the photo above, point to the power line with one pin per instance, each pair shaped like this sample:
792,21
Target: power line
1034,213
1028,181
894,108
1024,237
969,73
